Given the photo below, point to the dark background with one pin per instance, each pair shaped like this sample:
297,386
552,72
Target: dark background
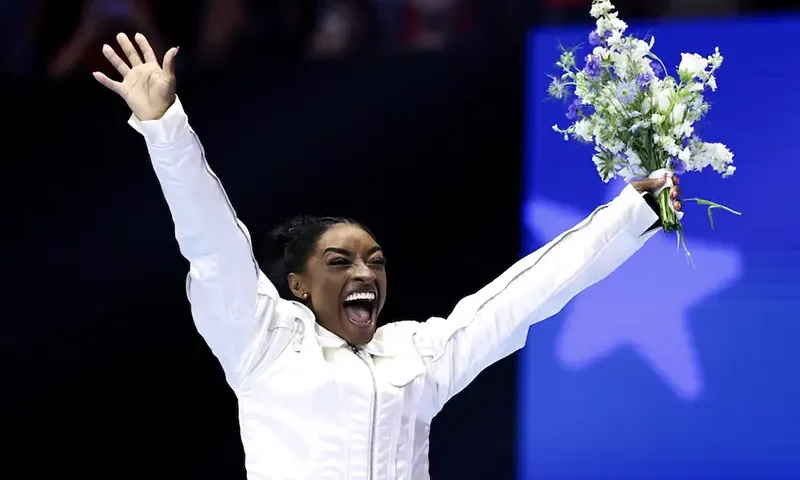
103,373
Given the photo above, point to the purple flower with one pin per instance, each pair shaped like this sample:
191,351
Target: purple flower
592,67
643,80
677,166
607,34
657,70
594,38
626,92
572,110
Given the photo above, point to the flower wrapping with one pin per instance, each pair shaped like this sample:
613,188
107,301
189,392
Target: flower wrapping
640,119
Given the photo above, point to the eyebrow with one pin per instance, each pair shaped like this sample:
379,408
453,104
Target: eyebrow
343,251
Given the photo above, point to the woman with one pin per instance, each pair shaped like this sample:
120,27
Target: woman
322,393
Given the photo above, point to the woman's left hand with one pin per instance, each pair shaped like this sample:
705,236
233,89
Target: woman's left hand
652,185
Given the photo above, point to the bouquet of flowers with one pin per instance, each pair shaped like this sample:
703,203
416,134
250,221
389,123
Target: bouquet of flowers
640,119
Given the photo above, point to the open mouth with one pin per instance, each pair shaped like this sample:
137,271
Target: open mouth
361,308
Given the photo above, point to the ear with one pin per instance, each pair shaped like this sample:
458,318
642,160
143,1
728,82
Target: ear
298,287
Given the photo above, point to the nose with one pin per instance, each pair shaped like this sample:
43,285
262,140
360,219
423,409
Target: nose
362,272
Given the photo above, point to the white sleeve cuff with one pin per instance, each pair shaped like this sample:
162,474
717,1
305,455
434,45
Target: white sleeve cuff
166,130
636,212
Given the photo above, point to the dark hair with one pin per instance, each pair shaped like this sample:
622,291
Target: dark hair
290,245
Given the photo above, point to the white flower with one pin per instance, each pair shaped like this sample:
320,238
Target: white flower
712,83
633,158
661,98
583,129
641,48
627,172
597,129
615,38
669,146
678,112
616,23
692,65
642,65
600,8
657,119
610,23
646,105
685,129
715,155
719,152
600,164
685,155
716,59
640,124
729,171
719,155
603,53
621,64
695,87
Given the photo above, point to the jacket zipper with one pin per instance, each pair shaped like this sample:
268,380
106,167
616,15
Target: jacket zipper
373,412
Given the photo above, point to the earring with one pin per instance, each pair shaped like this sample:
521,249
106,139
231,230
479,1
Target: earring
305,296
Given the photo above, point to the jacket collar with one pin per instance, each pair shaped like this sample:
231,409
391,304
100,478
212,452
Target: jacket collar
377,347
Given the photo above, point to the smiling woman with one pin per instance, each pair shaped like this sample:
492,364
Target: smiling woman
333,266
322,392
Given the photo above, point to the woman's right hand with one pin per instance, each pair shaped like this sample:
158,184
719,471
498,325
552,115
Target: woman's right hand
147,87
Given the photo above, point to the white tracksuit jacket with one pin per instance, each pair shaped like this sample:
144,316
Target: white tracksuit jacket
309,406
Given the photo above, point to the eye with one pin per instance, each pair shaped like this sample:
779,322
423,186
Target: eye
338,261
378,261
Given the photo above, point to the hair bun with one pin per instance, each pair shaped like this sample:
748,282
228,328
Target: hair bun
290,244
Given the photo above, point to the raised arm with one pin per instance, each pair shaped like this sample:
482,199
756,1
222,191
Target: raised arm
232,301
493,323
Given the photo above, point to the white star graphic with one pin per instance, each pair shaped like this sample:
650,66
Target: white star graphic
643,305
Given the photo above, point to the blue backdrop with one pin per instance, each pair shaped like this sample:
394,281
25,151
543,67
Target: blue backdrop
662,371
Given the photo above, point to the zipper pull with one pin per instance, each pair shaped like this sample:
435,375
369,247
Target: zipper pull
354,349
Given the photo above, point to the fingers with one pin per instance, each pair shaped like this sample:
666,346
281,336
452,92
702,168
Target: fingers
147,50
651,184
115,87
129,50
654,184
675,194
169,61
116,62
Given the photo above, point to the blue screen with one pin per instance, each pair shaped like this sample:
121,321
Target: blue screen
664,371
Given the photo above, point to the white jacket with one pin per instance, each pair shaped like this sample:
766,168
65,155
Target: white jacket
309,406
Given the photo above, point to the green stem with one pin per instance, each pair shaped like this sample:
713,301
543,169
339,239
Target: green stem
669,221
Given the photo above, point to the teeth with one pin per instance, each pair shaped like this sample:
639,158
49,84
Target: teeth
366,296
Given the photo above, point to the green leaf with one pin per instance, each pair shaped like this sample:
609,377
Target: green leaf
711,206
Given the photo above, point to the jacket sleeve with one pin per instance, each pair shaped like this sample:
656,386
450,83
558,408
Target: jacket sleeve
493,323
232,301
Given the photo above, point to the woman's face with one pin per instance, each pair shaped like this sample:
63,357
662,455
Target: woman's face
345,282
